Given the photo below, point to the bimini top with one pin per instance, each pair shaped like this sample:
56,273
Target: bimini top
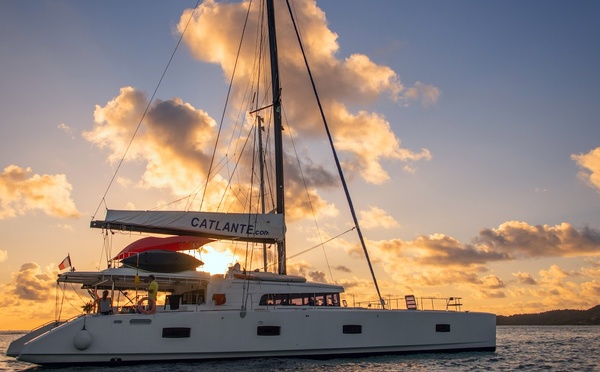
124,278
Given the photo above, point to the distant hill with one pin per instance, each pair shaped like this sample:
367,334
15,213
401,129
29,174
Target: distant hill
554,317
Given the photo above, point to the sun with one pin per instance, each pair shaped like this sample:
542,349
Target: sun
216,262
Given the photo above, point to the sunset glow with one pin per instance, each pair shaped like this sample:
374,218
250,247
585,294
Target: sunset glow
468,133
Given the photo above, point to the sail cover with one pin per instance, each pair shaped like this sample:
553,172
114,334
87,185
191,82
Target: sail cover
267,228
172,243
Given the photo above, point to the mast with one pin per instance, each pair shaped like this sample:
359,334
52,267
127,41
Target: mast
278,137
261,164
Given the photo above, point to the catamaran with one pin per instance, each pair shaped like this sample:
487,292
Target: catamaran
243,313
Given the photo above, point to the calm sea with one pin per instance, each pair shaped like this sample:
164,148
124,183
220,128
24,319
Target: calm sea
549,348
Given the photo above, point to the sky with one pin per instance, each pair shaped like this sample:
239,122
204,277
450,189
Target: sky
468,131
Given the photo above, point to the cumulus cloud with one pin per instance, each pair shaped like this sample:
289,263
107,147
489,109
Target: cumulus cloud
318,276
21,191
520,240
377,217
442,259
590,163
175,143
591,289
32,283
174,140
438,250
365,138
30,295
3,256
525,278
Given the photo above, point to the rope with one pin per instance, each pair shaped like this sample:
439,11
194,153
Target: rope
212,159
103,200
321,244
337,161
312,209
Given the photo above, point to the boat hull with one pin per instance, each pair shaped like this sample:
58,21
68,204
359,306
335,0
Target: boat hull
224,334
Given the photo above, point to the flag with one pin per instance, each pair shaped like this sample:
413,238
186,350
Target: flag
65,263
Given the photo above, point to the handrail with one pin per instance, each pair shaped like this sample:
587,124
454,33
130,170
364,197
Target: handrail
423,303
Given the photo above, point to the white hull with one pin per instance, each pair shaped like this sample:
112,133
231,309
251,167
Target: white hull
223,334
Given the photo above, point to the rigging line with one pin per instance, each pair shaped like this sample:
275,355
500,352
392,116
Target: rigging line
337,161
212,159
192,195
250,202
312,209
237,163
323,243
56,312
146,110
105,235
254,102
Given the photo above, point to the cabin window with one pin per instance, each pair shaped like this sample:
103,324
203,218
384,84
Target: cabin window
352,329
268,331
300,299
195,297
176,332
140,321
442,327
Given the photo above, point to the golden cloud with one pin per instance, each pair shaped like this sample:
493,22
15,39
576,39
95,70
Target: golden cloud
441,259
20,192
31,296
590,163
438,250
377,217
525,278
174,140
366,138
31,283
519,239
591,289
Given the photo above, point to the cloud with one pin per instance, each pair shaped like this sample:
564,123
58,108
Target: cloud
3,255
318,276
438,259
20,192
377,217
31,283
428,95
68,130
554,274
525,278
364,138
343,269
520,240
438,250
66,227
30,296
590,163
591,289
174,142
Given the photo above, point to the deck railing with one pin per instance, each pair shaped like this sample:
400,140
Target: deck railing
423,303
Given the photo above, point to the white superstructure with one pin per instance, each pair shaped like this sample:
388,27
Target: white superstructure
226,317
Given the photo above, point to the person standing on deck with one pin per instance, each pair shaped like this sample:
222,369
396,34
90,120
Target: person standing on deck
152,293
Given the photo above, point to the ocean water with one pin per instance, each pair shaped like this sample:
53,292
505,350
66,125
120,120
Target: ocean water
525,348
